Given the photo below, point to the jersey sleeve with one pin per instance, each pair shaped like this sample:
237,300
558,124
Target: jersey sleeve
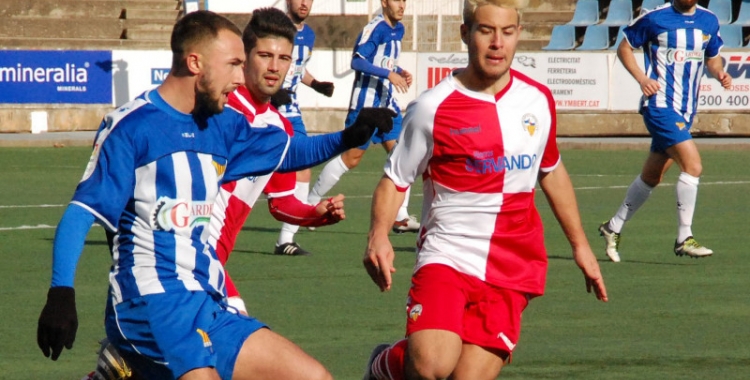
551,156
367,43
715,42
410,156
256,151
637,32
109,178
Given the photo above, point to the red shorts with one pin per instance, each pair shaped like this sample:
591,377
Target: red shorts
482,314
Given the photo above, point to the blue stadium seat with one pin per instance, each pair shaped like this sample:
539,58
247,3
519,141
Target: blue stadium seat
731,34
743,17
563,38
586,13
722,9
620,13
595,38
651,4
619,38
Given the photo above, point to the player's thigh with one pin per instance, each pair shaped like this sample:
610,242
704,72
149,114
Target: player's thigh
432,353
477,363
201,374
268,355
687,157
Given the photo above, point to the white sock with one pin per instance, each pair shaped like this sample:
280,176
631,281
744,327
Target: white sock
289,230
637,194
687,195
330,175
403,212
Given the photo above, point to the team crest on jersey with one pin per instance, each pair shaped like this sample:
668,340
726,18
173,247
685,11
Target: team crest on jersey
415,312
529,123
220,168
178,214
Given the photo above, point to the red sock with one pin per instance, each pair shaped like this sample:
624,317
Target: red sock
389,365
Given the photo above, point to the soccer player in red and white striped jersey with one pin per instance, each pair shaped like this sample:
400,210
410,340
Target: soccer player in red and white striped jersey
480,140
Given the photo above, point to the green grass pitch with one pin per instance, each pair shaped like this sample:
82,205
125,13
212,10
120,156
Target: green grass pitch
668,318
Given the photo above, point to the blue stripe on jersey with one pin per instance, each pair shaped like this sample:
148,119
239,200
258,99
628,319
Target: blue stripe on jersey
673,54
304,41
380,45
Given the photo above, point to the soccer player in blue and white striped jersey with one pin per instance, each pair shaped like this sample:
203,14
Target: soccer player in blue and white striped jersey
678,39
152,179
377,75
304,40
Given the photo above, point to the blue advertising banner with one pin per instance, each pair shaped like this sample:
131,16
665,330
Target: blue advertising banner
80,77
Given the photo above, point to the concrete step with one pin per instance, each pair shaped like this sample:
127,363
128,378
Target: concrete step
543,5
168,16
138,34
532,44
81,8
20,43
546,17
536,31
90,28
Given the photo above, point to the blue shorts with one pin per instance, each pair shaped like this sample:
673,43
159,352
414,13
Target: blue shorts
298,125
378,137
163,336
667,128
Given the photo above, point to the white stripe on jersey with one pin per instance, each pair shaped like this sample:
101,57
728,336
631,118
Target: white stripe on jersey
661,58
144,259
679,71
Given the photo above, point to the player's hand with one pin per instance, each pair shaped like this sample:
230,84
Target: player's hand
649,87
281,98
398,81
325,88
586,260
407,76
58,322
331,210
368,120
725,80
378,261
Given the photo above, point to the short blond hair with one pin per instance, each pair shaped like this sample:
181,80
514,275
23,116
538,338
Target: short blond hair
470,7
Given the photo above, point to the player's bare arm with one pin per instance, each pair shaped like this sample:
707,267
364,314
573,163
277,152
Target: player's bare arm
715,66
559,191
627,57
379,255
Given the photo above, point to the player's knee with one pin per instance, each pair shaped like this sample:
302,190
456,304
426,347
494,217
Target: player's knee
428,368
694,169
351,160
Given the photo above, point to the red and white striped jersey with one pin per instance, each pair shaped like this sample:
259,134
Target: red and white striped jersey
236,199
479,157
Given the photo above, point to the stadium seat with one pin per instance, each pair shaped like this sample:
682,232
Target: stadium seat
619,38
651,4
595,38
722,9
731,34
620,13
743,17
586,13
563,38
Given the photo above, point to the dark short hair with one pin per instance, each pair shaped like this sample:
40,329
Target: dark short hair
267,22
194,29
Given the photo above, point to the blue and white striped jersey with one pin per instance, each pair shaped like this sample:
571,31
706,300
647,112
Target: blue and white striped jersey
675,46
304,41
380,45
153,177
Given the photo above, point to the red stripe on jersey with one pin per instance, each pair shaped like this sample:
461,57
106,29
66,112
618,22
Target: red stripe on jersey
468,153
517,257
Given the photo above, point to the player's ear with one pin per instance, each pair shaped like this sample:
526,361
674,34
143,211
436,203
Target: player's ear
465,34
193,63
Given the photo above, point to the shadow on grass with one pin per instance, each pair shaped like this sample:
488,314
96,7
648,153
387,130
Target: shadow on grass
569,258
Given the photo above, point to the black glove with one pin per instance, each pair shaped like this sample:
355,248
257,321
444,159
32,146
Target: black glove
325,88
281,98
368,120
58,322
